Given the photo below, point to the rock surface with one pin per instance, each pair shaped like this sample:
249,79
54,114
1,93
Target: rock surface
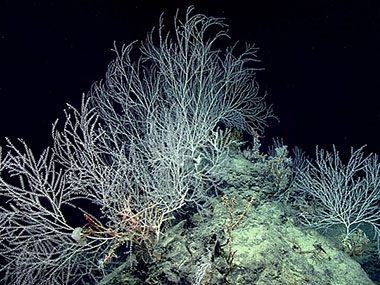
268,245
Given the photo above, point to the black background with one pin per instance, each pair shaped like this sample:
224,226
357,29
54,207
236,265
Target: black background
321,61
